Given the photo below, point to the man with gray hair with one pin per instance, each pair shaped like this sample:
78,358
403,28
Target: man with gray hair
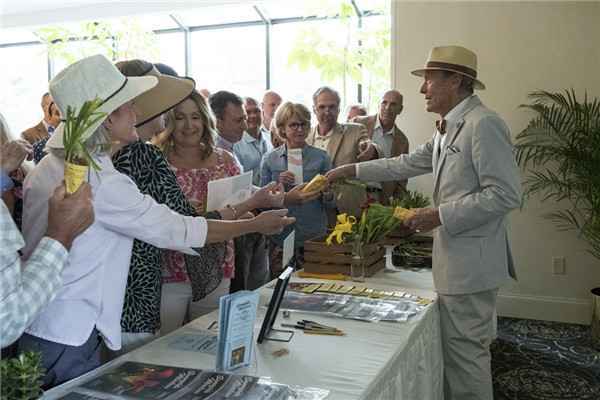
271,100
346,143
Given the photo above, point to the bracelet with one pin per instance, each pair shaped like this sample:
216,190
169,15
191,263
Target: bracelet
233,210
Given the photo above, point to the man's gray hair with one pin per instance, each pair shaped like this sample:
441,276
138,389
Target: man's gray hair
326,89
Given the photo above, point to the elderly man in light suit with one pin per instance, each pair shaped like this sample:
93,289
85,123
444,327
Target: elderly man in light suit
476,184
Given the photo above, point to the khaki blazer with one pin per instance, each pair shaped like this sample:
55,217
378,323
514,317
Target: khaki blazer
400,146
343,149
35,133
476,185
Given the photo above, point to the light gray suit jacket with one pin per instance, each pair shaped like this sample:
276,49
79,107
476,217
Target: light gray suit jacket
476,184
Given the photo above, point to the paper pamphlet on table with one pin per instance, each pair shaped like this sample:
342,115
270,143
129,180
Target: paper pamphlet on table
132,380
294,157
237,315
228,191
288,248
352,307
194,340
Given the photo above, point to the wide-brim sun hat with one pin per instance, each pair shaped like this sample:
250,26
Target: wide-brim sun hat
90,78
168,93
454,59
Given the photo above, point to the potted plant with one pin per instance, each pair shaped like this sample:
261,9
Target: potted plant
21,377
76,131
559,151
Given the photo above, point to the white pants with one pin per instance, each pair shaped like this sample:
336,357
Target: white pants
468,327
177,307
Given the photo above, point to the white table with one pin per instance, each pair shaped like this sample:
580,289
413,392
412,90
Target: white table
373,361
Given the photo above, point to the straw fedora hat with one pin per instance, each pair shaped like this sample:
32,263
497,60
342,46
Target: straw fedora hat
169,92
90,78
455,59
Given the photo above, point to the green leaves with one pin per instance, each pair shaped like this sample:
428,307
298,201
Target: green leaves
559,151
21,377
410,199
77,126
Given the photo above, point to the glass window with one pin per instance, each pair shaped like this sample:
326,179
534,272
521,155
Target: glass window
230,59
295,54
215,15
171,51
15,35
23,81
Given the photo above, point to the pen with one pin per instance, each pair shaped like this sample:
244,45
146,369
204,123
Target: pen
319,332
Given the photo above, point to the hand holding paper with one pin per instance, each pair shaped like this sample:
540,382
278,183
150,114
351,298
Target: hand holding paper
295,164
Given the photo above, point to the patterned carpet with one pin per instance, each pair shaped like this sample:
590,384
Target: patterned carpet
540,360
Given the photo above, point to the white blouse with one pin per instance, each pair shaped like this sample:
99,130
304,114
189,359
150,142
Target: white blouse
94,280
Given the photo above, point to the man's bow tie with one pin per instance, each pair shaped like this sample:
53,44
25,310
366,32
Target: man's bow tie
441,126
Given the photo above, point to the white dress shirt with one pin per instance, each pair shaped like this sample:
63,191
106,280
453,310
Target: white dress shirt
322,141
95,279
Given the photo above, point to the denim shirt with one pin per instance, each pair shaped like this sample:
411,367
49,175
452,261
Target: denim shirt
311,220
250,151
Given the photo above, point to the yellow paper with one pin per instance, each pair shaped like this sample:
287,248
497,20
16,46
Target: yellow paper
74,176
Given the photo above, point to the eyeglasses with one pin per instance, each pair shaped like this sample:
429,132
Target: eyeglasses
297,125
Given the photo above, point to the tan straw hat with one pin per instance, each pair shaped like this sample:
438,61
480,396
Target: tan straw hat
169,92
455,59
88,79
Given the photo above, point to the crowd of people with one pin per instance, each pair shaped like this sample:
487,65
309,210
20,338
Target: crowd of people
134,253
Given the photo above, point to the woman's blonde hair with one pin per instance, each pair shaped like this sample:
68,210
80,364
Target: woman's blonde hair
164,140
287,111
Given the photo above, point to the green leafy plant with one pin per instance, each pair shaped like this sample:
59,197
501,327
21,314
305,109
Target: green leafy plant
77,124
21,377
357,52
560,153
410,199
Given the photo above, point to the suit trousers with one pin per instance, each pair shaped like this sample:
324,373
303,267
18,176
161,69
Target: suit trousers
467,327
63,362
251,262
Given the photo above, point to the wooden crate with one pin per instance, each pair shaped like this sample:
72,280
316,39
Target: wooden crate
321,258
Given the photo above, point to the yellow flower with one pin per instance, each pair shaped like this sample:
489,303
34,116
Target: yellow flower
403,213
343,225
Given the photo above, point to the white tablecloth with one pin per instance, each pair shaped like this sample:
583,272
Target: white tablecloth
373,361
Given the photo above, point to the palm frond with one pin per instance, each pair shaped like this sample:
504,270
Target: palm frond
559,152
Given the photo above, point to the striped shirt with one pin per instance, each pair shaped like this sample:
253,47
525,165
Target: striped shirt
25,289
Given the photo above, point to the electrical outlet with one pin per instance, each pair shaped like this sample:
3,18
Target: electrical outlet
558,266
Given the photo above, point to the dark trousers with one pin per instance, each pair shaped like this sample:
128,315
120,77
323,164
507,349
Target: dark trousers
251,262
63,362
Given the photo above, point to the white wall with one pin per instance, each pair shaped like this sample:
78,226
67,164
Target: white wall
522,47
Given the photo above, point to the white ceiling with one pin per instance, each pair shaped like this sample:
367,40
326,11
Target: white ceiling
30,13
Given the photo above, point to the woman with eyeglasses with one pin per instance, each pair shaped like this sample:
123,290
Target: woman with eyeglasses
292,123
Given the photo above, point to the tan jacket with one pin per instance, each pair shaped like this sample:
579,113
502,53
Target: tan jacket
343,144
400,146
35,133
343,149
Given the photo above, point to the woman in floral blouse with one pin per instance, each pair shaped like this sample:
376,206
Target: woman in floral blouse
189,147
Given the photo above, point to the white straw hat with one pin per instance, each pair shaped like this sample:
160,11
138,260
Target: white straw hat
455,59
88,79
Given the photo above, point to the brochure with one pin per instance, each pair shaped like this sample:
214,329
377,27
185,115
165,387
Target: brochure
237,315
194,340
231,190
131,380
294,157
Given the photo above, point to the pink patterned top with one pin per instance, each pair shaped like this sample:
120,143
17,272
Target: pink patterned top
194,184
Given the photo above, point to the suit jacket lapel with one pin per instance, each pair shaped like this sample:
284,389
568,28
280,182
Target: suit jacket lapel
451,134
335,142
